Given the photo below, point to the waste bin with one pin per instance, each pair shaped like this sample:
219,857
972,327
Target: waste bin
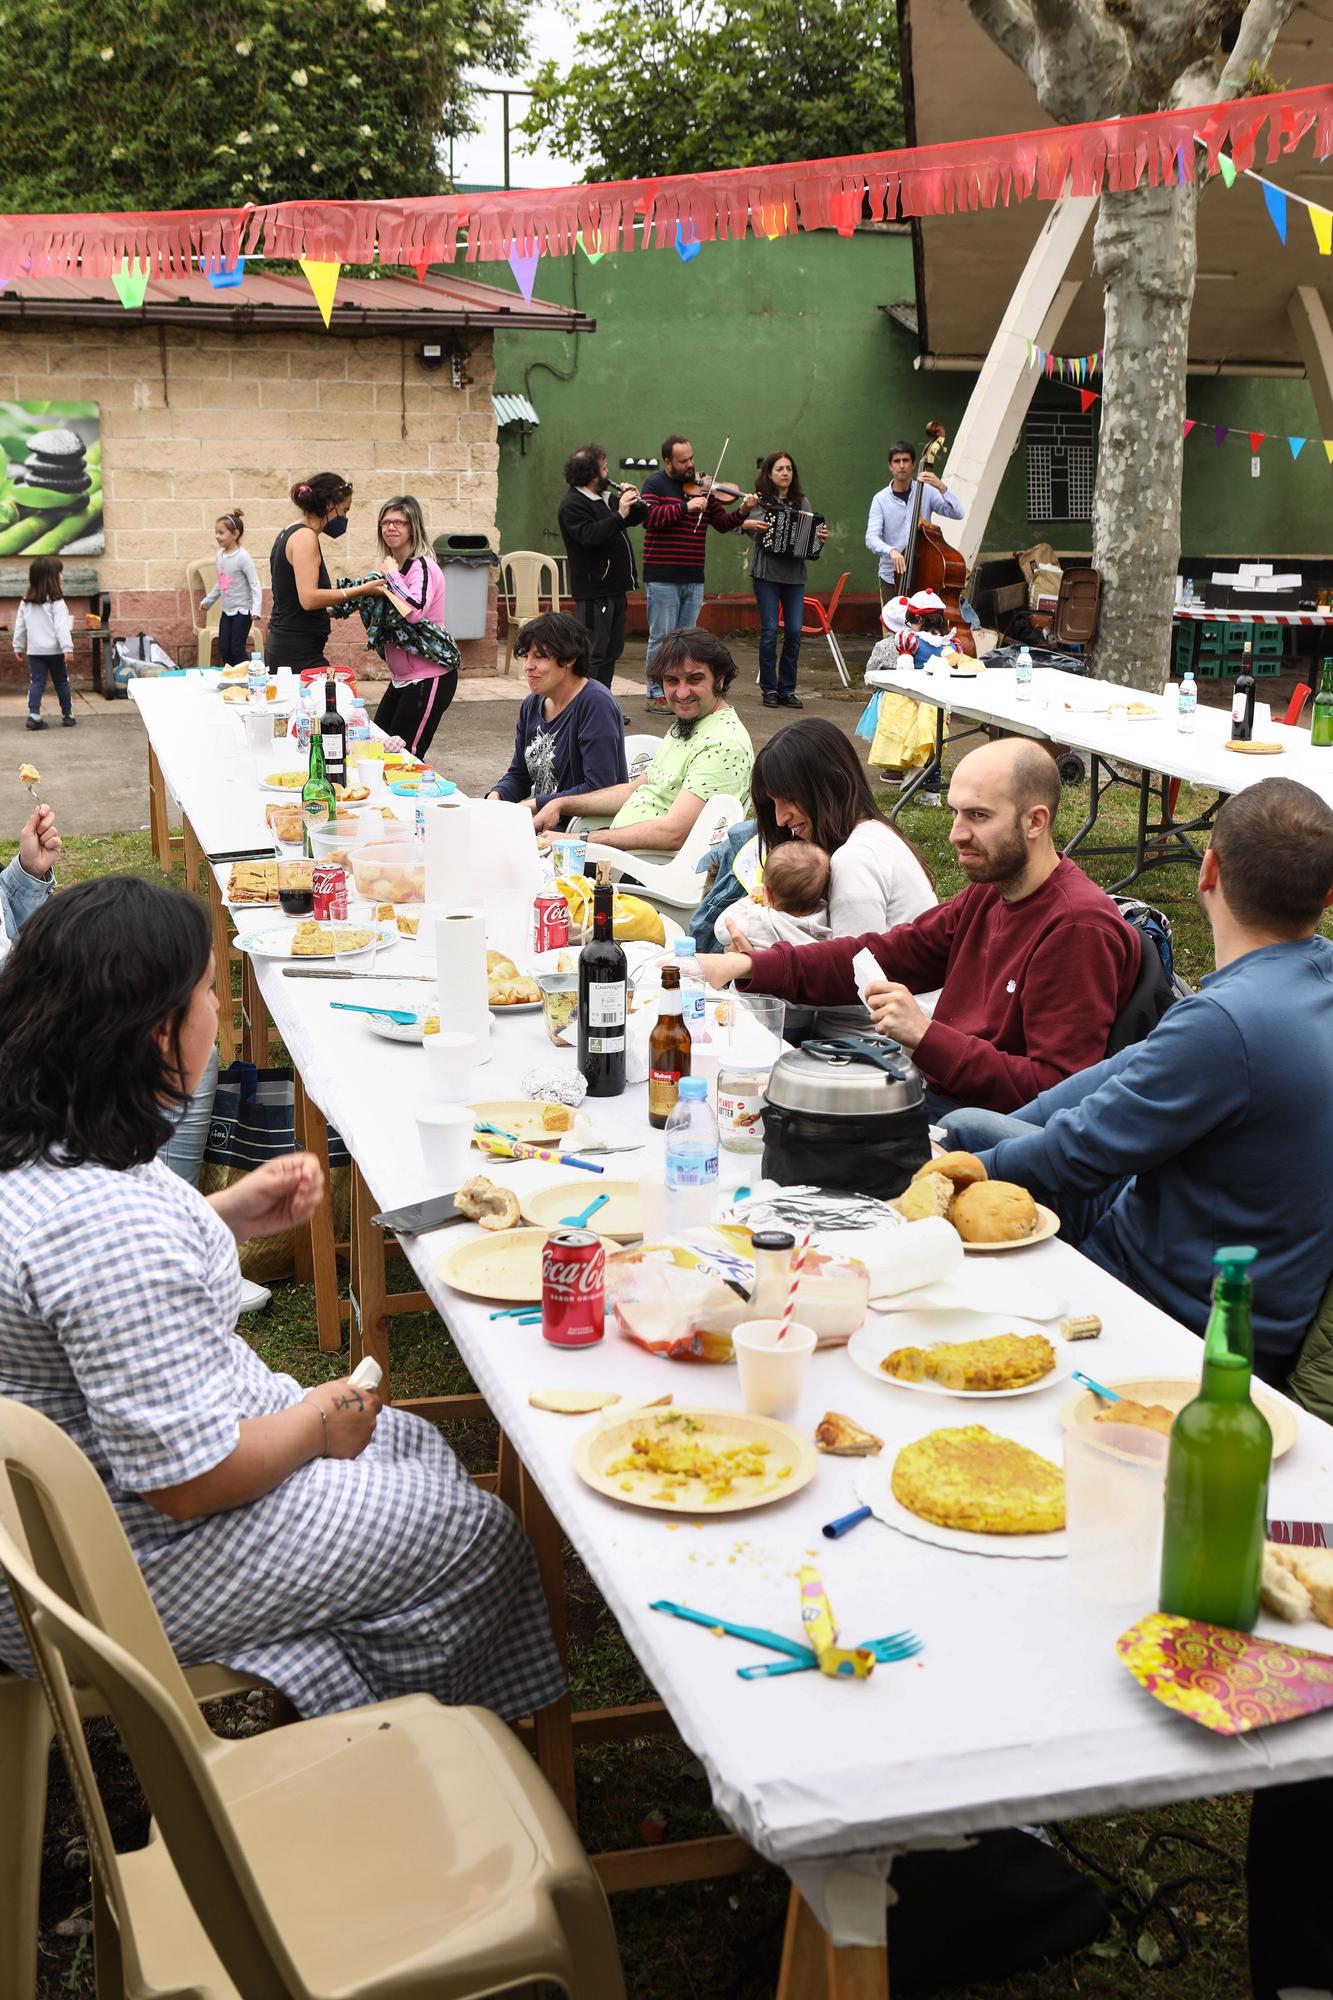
467,562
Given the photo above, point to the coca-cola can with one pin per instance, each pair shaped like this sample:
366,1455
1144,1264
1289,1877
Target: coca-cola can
573,1288
329,881
550,921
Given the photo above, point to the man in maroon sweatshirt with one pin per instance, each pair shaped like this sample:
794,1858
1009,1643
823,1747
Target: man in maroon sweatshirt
1034,961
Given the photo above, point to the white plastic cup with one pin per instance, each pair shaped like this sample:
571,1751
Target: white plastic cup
1115,1485
449,1059
445,1132
772,1370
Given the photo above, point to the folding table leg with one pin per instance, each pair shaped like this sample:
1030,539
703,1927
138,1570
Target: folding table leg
255,1026
553,1726
313,1134
158,827
217,916
368,1328
814,1968
194,857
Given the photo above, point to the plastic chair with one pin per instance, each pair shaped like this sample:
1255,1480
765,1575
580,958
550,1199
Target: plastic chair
823,616
674,881
468,1878
199,580
1300,694
526,576
639,753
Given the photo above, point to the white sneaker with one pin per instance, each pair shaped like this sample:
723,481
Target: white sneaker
254,1297
927,799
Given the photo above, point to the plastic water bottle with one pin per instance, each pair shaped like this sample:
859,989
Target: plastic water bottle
1187,701
303,722
358,724
691,1158
256,679
1023,675
693,990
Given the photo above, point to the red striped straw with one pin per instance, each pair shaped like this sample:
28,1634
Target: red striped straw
797,1266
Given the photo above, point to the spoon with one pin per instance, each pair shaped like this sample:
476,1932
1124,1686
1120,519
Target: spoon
401,1017
580,1221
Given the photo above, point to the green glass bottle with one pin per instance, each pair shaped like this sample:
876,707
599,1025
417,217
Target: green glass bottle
1217,1470
318,803
1321,723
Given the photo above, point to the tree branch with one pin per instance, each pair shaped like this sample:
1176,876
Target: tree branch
1263,22
1010,26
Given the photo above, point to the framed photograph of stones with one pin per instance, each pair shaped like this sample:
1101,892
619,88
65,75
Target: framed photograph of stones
51,488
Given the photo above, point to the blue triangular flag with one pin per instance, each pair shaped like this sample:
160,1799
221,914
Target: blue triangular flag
1297,445
686,247
221,276
1275,201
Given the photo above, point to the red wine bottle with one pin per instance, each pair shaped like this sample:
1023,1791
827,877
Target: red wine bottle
1242,702
333,733
602,998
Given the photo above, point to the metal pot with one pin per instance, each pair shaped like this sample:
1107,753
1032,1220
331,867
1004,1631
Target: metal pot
846,1114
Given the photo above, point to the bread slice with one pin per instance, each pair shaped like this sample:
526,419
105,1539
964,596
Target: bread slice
930,1195
1281,1594
1314,1569
481,1200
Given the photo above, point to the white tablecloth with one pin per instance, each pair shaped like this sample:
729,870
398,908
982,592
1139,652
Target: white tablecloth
1017,1709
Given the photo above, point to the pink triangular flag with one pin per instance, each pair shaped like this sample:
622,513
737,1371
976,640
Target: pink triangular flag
1187,427
523,264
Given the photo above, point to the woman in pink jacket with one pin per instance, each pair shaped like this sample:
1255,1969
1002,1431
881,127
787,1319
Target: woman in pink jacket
421,690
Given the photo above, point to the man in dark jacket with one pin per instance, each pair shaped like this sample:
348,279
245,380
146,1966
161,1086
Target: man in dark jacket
601,557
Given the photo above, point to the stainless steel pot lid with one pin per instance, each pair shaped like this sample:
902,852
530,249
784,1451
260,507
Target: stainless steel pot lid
852,1076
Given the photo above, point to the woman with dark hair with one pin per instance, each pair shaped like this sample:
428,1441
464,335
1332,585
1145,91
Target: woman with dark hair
298,626
333,1547
779,581
809,784
570,735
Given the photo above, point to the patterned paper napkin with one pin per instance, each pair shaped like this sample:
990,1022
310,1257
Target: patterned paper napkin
1228,1681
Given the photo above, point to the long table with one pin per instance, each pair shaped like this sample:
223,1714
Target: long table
1087,714
1018,1708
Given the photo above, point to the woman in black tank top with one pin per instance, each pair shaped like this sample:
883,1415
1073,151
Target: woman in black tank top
298,627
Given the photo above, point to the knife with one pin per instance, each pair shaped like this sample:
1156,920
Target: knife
1302,1534
338,972
269,853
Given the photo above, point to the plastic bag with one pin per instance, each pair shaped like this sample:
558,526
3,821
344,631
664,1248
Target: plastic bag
869,721
631,917
905,734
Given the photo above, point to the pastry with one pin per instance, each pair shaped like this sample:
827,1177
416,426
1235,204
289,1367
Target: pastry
29,774
960,1169
285,823
1254,749
1001,1361
973,1480
311,940
286,781
557,1118
1314,1569
993,1212
512,990
932,1194
1282,1594
1141,1416
408,924
841,1438
1080,1326
482,1201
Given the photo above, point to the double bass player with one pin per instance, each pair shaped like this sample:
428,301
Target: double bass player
891,510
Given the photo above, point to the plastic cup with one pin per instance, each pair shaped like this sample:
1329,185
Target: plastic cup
1115,1483
449,1058
445,1132
772,1370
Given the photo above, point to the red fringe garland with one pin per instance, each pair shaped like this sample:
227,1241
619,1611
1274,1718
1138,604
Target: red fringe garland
1113,154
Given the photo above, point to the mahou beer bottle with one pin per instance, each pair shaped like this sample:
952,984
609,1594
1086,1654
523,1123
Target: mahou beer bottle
669,1048
317,800
602,999
333,733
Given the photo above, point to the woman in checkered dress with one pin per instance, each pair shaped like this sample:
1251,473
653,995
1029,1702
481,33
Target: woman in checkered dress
335,1547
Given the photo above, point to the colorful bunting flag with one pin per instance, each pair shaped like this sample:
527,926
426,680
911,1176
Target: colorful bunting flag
1256,439
1321,221
223,277
322,278
686,247
1221,432
421,265
1296,446
593,256
1226,167
1086,399
1275,201
131,285
1187,427
1328,449
523,264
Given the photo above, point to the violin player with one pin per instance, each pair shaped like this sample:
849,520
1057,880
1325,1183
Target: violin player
681,509
891,510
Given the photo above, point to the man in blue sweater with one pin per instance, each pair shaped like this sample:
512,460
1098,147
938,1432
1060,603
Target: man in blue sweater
1218,1128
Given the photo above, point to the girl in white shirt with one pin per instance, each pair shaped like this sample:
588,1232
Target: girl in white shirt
42,632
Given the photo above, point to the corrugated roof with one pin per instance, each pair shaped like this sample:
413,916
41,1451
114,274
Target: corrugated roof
514,410
284,300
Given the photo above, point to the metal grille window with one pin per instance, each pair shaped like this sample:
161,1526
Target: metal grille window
1062,459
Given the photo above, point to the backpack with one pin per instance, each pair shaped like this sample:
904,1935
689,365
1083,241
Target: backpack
137,658
1155,928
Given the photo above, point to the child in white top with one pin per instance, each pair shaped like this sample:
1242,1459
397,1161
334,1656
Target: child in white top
790,906
42,632
239,588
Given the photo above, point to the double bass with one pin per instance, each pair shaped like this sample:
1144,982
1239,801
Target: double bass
933,563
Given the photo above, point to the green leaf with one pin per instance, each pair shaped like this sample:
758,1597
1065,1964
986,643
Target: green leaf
1147,1950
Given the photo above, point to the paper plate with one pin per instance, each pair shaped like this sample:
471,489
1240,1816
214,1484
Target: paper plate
1006,1291
283,791
278,943
516,1007
1048,1224
505,1266
395,1031
1174,1391
873,1491
621,1220
523,1117
868,1347
605,1443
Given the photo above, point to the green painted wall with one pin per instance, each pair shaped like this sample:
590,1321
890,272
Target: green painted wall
784,345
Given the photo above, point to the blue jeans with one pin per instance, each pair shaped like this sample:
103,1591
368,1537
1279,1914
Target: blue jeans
183,1152
39,666
972,1131
779,676
670,606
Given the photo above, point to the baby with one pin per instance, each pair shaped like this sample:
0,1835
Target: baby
791,904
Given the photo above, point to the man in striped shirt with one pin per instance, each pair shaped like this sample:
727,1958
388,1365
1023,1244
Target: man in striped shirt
674,536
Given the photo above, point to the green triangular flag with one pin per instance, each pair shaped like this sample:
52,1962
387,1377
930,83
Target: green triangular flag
131,285
1226,167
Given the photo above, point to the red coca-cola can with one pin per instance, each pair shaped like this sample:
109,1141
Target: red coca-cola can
550,921
329,882
573,1288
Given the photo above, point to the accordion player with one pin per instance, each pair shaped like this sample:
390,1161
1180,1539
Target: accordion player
792,531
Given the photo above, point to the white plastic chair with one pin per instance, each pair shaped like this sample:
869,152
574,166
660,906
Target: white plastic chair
526,576
639,753
199,580
674,880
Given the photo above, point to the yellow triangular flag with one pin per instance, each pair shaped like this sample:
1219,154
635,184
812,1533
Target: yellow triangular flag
1321,221
1328,450
323,282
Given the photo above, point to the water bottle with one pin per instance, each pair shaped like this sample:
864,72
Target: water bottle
1023,675
358,723
691,1158
1187,701
303,722
256,679
693,990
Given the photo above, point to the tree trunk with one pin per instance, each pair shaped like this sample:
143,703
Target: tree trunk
1144,252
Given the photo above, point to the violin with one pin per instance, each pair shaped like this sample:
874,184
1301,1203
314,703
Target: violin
721,489
932,562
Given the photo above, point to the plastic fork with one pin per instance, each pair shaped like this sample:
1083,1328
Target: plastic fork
1097,1388
898,1646
580,1221
402,1017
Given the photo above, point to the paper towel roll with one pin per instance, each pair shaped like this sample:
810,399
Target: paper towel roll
918,1253
509,868
460,957
450,854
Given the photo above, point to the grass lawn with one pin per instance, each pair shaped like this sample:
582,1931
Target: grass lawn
722,1940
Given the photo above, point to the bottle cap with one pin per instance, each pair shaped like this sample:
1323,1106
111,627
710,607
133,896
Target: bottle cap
1236,1261
693,1087
773,1239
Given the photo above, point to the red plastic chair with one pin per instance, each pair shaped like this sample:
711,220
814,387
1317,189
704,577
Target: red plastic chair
822,627
1300,694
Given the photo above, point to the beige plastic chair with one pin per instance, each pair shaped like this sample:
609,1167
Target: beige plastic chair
199,580
674,881
526,576
466,1877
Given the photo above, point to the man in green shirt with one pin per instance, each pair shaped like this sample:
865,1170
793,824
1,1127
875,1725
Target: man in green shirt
706,753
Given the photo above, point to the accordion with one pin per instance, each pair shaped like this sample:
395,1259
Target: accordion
791,532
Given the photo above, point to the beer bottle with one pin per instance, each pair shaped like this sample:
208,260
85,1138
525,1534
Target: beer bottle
1217,1470
1321,723
1242,702
318,804
669,1048
602,998
333,731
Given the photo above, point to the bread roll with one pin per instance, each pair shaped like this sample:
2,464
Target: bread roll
482,1201
962,1169
993,1212
931,1194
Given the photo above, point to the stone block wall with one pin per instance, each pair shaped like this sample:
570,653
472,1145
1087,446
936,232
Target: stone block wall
196,422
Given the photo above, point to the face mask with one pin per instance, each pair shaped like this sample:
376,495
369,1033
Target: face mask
337,526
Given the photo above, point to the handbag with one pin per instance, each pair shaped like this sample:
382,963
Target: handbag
254,1120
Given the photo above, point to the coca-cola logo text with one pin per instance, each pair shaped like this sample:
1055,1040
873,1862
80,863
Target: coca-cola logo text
579,1278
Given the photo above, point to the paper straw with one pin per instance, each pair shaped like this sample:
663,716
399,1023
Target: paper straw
797,1266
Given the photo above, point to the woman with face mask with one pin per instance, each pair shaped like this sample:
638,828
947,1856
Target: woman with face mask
298,628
